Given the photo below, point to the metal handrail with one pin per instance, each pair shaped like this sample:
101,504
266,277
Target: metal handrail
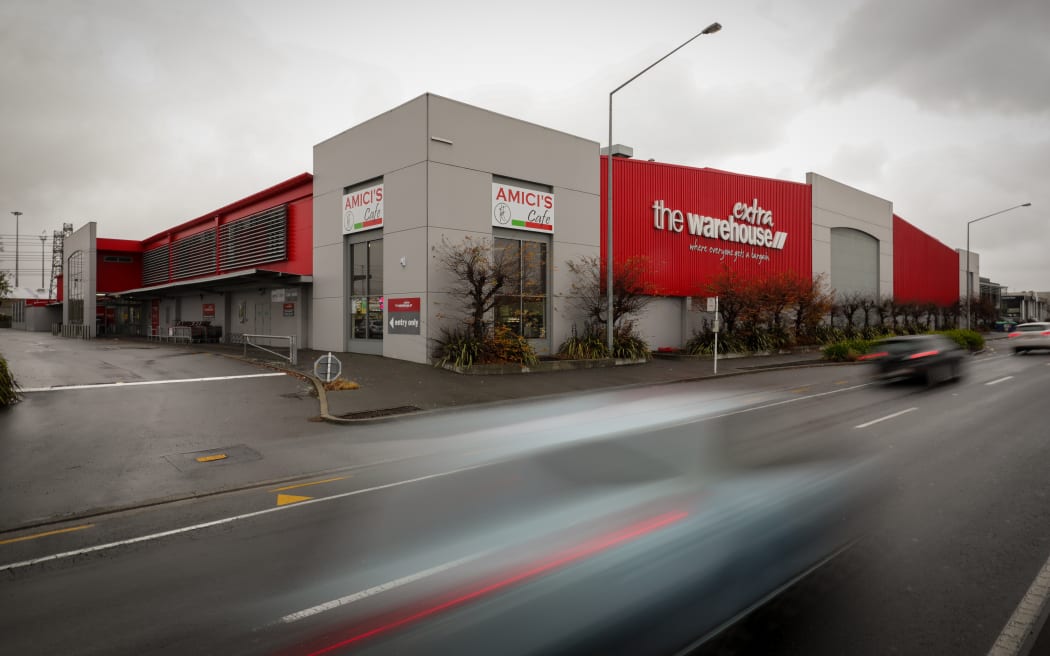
292,357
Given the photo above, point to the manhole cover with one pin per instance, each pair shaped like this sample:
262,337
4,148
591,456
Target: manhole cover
383,412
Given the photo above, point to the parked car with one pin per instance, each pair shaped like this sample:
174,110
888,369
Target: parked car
929,358
1030,337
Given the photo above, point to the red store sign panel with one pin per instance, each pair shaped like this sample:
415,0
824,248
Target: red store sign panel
690,224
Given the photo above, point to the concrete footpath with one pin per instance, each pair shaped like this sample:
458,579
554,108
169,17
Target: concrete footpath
396,387
389,387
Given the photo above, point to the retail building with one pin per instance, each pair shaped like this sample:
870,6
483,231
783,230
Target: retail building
348,258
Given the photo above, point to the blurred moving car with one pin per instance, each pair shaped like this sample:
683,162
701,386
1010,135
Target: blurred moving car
1030,336
932,359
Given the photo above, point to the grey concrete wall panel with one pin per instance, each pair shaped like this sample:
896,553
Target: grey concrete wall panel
975,272
378,147
407,281
460,199
661,323
486,141
579,217
82,240
836,205
854,262
566,311
405,199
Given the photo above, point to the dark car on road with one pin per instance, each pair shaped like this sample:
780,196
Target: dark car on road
931,359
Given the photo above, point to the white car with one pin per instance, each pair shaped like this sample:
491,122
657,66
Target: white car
1030,336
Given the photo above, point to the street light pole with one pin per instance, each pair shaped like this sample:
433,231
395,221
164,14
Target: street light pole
969,282
17,215
710,29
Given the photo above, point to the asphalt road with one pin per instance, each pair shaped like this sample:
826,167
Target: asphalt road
955,543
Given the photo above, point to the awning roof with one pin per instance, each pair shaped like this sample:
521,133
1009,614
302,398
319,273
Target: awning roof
247,275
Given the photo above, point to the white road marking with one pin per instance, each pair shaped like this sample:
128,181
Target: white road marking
301,504
1022,622
227,520
784,402
60,388
997,381
389,585
895,414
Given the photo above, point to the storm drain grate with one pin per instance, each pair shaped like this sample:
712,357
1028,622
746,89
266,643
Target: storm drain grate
382,412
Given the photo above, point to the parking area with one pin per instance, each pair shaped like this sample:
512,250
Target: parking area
105,423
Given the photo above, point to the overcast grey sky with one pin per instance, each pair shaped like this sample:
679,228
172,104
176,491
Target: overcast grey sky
143,114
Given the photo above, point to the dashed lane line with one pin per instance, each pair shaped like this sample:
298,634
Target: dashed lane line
895,414
228,520
384,587
999,380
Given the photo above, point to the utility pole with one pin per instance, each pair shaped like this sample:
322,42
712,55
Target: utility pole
18,215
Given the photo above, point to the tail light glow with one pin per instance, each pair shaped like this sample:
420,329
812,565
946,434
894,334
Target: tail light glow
873,356
922,354
1014,334
572,555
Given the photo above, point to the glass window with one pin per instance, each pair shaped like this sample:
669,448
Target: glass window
523,306
366,290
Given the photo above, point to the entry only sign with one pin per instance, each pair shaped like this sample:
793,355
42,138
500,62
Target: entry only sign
403,316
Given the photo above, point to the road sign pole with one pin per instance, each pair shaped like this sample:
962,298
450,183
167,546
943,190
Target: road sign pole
716,335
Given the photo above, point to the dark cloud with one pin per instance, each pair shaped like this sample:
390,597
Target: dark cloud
946,55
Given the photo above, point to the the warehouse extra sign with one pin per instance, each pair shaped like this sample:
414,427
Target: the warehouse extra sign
522,209
747,225
363,209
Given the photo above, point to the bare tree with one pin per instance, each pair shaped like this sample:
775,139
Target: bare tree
848,306
481,271
868,304
631,289
5,284
812,301
734,296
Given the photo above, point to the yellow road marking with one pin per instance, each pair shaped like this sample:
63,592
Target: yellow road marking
44,535
217,456
292,487
285,499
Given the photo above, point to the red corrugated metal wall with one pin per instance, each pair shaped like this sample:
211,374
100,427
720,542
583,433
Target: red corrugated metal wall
681,264
924,269
296,192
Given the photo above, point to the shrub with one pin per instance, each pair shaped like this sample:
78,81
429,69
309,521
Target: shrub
461,348
589,346
970,340
457,346
629,345
703,343
505,345
847,350
8,386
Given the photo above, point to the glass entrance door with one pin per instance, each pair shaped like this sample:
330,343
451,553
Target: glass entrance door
366,301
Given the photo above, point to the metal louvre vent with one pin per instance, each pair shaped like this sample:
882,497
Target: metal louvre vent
193,256
256,239
155,266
